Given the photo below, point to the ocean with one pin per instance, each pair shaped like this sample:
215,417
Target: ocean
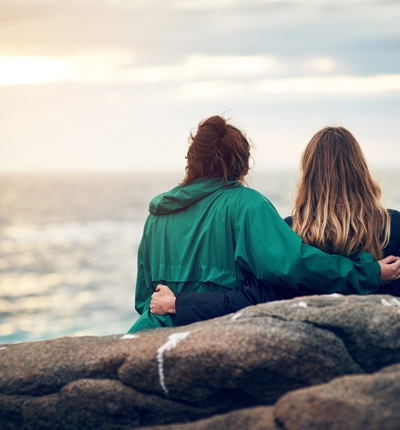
68,245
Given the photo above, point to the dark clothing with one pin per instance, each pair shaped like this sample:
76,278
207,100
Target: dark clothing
393,247
192,307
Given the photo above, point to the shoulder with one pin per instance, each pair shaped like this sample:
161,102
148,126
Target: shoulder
394,223
249,197
248,193
394,215
393,247
248,203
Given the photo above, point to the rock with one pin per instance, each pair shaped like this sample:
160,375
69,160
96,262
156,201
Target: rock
347,403
257,418
356,402
184,374
368,325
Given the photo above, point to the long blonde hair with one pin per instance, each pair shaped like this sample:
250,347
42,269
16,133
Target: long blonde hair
337,206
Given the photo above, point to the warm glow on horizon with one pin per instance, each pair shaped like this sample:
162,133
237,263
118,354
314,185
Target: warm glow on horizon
117,85
31,70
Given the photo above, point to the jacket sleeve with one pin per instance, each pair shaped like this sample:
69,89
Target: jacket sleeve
393,289
193,307
267,247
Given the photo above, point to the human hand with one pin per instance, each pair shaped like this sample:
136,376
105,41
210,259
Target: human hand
162,301
390,269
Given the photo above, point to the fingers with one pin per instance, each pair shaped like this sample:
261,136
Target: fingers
390,259
396,265
152,305
390,269
161,287
162,301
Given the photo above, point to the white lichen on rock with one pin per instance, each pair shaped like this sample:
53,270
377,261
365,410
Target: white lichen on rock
391,302
173,340
129,336
236,316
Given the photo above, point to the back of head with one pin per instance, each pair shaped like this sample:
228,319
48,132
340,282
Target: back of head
337,206
217,150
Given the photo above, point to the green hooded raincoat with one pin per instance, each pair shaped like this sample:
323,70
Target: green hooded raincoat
207,235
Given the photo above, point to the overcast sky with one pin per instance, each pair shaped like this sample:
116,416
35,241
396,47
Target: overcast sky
119,84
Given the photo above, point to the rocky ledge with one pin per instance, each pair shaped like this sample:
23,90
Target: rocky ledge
320,362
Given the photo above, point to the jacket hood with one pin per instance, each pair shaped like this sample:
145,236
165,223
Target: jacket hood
183,196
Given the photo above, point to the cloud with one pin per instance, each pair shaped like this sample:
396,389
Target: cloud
107,66
202,4
320,64
222,4
92,67
207,67
159,32
31,70
331,84
306,85
130,75
198,76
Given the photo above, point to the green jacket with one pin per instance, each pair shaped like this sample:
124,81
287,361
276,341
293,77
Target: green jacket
206,236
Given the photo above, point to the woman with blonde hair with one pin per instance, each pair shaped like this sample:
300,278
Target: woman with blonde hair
337,206
337,209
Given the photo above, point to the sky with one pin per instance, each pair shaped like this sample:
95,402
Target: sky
117,85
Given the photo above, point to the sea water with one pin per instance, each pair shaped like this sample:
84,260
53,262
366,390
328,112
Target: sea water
68,246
